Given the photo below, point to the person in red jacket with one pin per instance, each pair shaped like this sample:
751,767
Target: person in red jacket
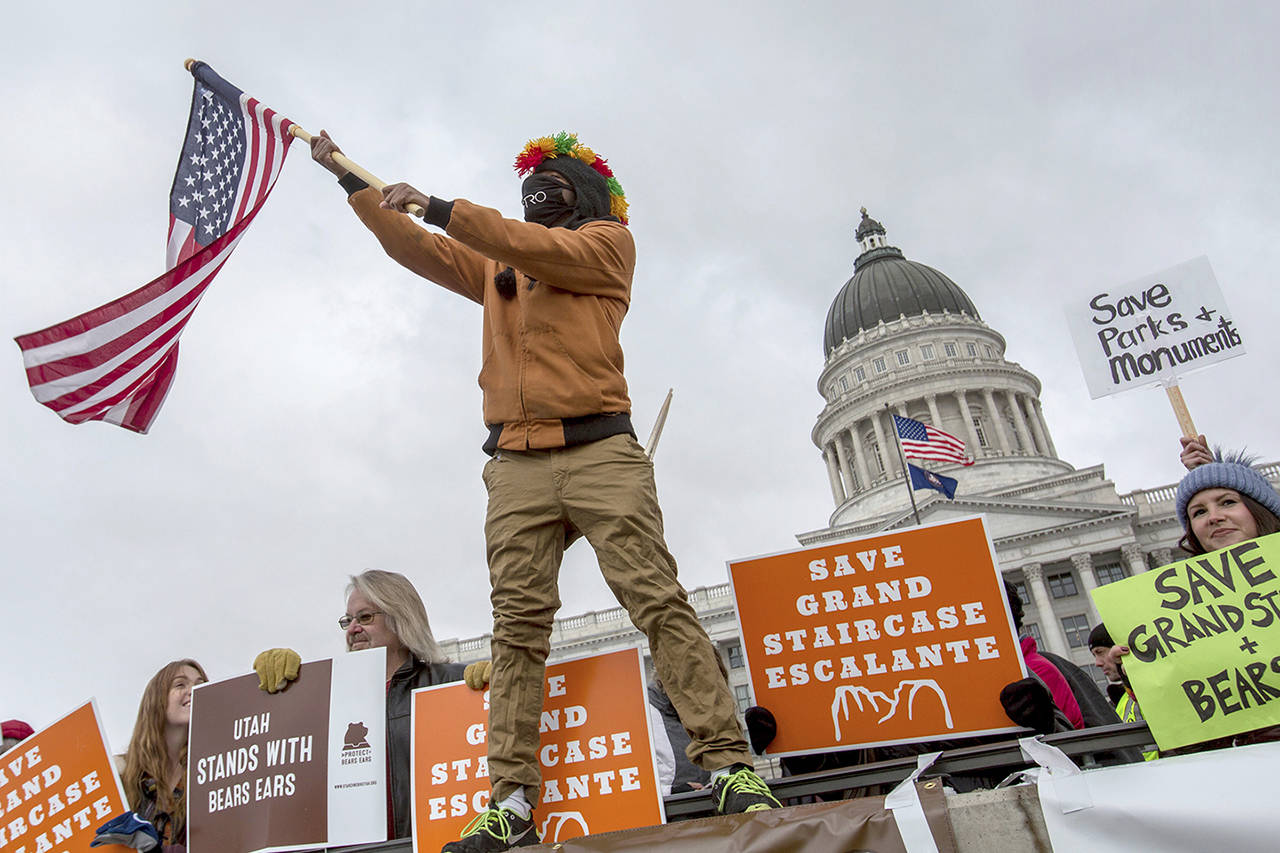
565,462
14,732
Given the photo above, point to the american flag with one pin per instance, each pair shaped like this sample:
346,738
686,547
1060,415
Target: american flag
925,442
116,362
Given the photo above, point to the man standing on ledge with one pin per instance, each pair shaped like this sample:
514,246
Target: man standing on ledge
565,461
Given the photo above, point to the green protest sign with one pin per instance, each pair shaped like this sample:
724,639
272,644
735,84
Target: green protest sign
1204,637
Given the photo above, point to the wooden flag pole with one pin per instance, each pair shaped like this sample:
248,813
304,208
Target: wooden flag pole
1180,410
343,161
356,169
652,446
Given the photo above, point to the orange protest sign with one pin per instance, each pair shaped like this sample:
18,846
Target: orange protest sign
598,773
58,786
898,637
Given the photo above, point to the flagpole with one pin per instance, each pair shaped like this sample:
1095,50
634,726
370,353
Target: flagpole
906,472
359,171
343,161
652,446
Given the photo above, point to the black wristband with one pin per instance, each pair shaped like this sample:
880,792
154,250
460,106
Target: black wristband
352,183
438,212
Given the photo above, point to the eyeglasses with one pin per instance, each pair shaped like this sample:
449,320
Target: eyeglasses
362,619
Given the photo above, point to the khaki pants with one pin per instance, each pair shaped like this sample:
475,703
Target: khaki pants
605,491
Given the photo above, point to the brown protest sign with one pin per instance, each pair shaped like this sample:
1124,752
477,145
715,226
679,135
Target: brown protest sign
898,637
598,773
279,771
58,786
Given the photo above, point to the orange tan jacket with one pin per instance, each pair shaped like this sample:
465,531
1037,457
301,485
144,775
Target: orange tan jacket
552,353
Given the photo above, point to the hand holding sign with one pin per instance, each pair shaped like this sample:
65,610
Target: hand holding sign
276,668
476,675
1204,641
1029,704
1195,452
902,636
598,770
306,766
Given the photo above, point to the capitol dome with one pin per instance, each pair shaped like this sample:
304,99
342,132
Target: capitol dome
903,339
886,286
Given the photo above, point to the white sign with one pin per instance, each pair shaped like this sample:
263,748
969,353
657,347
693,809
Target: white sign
1218,800
1153,330
301,769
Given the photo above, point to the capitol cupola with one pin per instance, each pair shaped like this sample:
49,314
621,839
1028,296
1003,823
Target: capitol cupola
886,286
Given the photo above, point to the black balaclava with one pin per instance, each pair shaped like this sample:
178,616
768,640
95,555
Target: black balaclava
593,200
543,199
547,205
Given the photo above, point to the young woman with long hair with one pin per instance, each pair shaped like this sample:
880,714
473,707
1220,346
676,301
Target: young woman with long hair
155,766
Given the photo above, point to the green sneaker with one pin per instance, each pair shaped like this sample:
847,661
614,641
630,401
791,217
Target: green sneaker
741,790
494,830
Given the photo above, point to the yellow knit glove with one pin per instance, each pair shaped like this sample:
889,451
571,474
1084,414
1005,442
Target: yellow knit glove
276,668
476,675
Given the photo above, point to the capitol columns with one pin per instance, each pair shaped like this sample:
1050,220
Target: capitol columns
1050,628
1135,558
969,431
997,422
1163,556
931,400
842,459
1083,564
859,457
886,458
1042,445
1020,423
891,430
1044,427
833,470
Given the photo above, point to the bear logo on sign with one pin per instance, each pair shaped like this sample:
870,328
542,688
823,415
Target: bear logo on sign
355,738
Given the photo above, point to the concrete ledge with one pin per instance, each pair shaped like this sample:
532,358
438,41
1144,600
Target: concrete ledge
1006,820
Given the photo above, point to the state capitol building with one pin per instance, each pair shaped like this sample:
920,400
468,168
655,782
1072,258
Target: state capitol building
902,337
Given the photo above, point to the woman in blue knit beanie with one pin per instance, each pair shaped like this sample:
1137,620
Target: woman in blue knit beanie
1221,503
1224,502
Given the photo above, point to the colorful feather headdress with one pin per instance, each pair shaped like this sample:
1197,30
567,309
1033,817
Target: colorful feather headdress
566,144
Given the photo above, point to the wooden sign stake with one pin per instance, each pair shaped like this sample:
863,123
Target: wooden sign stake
1180,410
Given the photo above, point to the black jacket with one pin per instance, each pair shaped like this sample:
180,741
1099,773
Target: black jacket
1095,708
408,678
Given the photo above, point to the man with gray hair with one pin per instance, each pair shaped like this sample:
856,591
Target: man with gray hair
383,611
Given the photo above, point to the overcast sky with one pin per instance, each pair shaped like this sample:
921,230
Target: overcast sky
326,418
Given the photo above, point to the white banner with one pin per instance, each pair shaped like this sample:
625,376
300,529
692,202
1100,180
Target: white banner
358,748
1153,330
1219,800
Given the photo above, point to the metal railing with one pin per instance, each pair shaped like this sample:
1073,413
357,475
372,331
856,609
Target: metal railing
1081,745
1160,494
1005,755
1166,494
